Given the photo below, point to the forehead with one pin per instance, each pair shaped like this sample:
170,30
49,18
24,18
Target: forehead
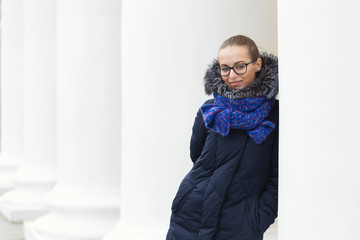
233,54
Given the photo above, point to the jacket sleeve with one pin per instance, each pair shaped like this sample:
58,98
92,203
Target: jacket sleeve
198,137
265,207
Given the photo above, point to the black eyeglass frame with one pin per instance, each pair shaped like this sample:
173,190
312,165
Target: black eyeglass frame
246,64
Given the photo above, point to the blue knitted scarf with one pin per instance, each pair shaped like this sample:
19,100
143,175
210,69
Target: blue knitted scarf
248,114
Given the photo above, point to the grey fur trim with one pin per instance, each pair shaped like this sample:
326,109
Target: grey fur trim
265,84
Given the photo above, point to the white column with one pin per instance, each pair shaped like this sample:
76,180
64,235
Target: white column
85,202
36,176
11,91
166,48
320,115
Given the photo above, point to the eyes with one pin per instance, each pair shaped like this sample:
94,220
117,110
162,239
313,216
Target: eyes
224,69
238,67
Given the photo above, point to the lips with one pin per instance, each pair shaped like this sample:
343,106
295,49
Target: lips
235,83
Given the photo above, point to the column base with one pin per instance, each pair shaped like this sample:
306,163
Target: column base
51,227
17,214
27,200
271,233
128,232
8,166
75,215
30,232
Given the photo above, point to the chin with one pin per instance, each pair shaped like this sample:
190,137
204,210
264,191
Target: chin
239,88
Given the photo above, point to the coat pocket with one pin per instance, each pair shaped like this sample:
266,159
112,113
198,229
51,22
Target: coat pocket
185,189
252,215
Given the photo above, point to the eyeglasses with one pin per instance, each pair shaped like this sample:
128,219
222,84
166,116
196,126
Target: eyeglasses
238,69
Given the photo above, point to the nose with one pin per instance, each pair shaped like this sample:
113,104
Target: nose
232,73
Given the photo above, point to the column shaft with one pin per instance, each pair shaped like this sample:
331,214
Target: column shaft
319,115
11,91
85,202
36,175
166,47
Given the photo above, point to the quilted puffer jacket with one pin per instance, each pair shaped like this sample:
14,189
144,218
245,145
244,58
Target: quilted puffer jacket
231,191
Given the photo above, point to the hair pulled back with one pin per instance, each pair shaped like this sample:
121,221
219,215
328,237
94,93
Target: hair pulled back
241,40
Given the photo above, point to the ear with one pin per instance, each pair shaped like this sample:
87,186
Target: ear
258,64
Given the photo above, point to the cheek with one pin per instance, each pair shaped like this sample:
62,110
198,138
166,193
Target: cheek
250,76
225,79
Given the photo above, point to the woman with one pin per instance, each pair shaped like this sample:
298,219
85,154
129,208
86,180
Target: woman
231,191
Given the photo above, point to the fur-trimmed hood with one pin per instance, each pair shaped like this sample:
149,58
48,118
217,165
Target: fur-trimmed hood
265,84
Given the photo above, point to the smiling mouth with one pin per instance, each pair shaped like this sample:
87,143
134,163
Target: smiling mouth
235,82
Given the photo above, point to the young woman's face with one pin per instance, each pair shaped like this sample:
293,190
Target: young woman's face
238,56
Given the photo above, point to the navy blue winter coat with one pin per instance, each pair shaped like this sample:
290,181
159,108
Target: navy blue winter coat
231,191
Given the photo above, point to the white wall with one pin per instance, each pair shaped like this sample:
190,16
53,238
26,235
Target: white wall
319,114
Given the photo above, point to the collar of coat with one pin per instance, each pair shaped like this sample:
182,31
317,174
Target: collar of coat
265,84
